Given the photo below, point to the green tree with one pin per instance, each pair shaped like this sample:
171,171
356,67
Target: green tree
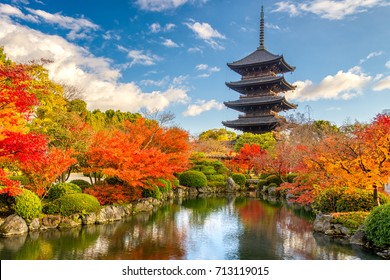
265,141
220,134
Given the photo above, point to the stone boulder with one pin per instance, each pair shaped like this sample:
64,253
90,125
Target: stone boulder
109,214
272,191
34,225
50,221
89,219
143,206
70,222
231,185
13,225
359,237
322,223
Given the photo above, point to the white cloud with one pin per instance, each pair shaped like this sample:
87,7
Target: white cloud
382,84
201,67
388,64
156,27
205,32
7,11
272,26
371,55
162,5
170,44
158,83
111,35
343,85
140,57
79,27
328,9
202,106
159,5
195,50
76,66
209,70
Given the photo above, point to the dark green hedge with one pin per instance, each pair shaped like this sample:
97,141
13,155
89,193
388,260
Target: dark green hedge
79,203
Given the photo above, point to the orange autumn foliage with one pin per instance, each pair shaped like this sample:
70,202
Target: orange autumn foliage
139,153
359,159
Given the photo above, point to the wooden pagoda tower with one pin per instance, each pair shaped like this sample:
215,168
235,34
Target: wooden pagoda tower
260,86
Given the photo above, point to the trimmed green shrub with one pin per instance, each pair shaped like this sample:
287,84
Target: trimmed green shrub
217,178
216,184
239,179
176,182
62,189
264,176
326,201
261,183
28,205
113,181
291,177
274,179
377,226
192,178
78,203
153,192
359,200
165,186
81,183
21,178
351,220
341,200
208,170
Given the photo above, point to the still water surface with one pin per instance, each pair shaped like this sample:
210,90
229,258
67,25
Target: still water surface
203,228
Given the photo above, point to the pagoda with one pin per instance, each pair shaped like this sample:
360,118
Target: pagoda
261,84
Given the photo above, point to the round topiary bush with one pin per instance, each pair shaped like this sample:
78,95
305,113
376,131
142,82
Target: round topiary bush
291,177
208,170
62,189
193,178
165,186
274,179
261,183
377,226
239,179
153,192
81,183
28,205
327,199
78,203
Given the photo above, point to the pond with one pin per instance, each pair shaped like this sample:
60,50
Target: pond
217,228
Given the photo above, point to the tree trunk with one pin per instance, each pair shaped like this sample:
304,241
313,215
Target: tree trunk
376,197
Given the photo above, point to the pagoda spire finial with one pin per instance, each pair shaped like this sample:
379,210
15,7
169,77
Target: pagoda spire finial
261,47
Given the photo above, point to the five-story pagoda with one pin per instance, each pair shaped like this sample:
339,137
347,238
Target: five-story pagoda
261,82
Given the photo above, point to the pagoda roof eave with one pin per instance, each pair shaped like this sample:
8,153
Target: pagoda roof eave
258,121
258,58
260,81
258,101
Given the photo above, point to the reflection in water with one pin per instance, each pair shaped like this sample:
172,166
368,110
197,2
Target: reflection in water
203,228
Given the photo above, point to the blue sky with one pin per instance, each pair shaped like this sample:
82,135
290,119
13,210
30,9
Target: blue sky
171,55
